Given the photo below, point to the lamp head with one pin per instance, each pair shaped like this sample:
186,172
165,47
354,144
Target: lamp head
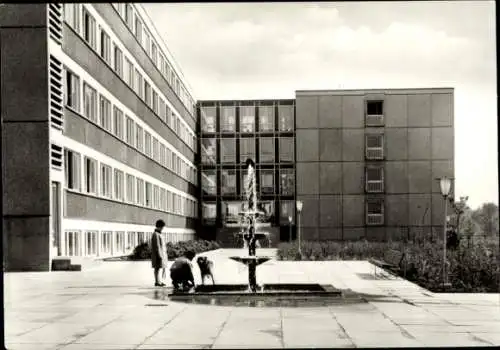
445,185
289,218
299,206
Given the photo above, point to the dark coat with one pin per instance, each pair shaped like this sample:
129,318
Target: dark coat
159,256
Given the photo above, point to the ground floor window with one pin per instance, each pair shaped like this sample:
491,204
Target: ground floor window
141,237
106,239
91,243
375,212
120,242
131,240
73,243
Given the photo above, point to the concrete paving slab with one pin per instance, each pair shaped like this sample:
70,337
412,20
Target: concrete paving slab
115,306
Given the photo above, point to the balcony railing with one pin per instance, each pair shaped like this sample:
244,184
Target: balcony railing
374,120
374,219
374,186
374,153
267,189
266,126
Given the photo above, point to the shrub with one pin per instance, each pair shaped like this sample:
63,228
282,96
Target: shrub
174,250
470,269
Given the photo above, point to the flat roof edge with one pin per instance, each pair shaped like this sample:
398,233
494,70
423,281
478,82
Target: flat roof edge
376,91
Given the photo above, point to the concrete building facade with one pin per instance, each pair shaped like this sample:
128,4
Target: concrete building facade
367,162
98,133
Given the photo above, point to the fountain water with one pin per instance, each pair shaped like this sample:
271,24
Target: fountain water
251,236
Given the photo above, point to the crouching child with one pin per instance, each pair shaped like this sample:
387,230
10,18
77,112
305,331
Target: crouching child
181,273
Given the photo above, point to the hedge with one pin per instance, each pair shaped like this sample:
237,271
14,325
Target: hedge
174,250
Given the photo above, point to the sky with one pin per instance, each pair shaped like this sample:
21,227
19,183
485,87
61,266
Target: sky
269,50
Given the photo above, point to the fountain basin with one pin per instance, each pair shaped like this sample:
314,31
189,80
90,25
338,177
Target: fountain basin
289,290
248,259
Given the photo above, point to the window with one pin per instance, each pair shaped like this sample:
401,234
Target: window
247,118
120,241
266,149
266,118
72,169
90,174
228,119
106,237
149,194
105,47
374,179
129,15
118,61
156,197
287,181
118,184
155,102
91,243
129,131
208,151
72,91
147,143
228,150
375,211
209,182
139,138
106,178
139,87
286,149
163,199
128,72
169,159
140,192
228,182
130,188
138,29
287,209
268,209
285,115
168,115
117,122
89,29
161,109
154,53
105,110
247,149
230,212
163,154
266,181
374,113
156,149
72,15
170,200
89,103
375,146
147,41
161,61
147,93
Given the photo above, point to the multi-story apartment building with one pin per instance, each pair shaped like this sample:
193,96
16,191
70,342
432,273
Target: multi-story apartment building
367,161
100,138
99,133
365,165
232,132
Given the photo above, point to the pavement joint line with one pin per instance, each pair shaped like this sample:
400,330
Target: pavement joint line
161,327
221,329
403,331
282,337
342,328
92,331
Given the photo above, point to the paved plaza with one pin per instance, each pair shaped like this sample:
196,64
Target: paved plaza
115,306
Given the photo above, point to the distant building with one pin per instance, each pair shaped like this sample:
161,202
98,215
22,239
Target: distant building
363,162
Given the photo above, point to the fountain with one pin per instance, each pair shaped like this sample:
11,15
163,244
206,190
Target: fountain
251,236
245,295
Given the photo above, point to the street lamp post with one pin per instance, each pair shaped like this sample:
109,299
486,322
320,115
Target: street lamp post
445,186
290,228
299,210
